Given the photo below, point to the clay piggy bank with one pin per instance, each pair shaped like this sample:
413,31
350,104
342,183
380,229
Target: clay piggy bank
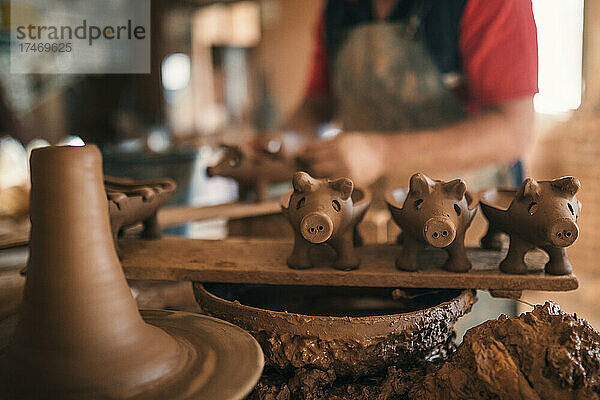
324,211
252,173
538,215
131,202
433,213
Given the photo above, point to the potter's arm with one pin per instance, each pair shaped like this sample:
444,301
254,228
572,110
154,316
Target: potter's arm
498,134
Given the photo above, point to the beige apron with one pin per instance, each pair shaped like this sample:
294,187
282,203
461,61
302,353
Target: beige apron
385,80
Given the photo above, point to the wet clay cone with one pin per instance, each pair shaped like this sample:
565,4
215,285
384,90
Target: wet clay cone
80,333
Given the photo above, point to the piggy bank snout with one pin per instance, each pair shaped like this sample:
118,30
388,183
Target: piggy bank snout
563,232
439,231
316,227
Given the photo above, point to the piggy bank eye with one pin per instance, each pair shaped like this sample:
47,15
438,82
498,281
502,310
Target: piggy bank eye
571,208
457,209
336,205
418,203
533,208
300,202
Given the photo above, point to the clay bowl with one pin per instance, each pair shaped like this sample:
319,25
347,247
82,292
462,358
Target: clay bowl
352,331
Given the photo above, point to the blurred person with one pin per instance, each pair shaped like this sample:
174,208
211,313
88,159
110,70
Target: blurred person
440,86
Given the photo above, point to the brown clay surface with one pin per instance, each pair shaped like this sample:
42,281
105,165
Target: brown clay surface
264,261
542,354
352,331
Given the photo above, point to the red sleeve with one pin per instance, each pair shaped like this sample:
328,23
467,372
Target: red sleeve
498,45
318,81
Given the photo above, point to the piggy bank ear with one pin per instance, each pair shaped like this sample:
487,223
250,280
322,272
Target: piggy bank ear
567,184
421,184
344,186
303,182
455,189
529,189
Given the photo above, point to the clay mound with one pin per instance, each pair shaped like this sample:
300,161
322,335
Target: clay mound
542,354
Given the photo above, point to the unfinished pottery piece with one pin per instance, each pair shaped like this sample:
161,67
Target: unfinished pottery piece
131,202
253,173
538,215
79,333
433,213
351,331
324,211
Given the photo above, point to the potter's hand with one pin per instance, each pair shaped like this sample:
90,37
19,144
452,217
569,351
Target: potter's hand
354,155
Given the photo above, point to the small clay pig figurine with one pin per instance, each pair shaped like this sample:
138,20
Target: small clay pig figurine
131,202
540,215
324,211
435,213
252,173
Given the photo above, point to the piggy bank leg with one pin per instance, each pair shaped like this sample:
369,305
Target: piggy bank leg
299,257
492,240
408,258
347,259
244,192
357,238
151,228
514,263
559,263
261,187
457,256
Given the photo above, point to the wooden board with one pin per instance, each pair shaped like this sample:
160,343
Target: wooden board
264,261
173,216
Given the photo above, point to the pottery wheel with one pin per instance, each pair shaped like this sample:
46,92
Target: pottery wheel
224,362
